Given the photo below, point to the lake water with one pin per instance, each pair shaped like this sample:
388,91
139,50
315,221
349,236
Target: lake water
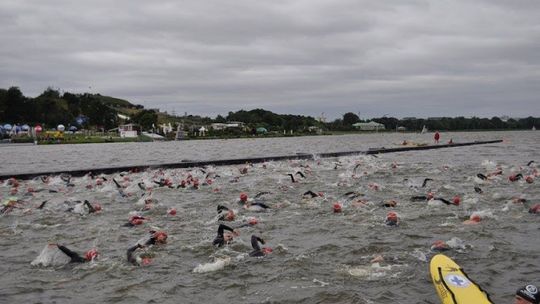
319,256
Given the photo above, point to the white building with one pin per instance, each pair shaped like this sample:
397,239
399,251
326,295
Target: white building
369,126
129,130
223,126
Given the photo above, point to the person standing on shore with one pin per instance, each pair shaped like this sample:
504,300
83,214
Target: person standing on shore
436,137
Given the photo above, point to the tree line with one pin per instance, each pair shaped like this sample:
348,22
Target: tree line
86,110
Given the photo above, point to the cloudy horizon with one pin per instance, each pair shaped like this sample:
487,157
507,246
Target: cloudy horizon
376,58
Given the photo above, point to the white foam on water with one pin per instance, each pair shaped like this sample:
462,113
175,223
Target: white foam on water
50,256
217,265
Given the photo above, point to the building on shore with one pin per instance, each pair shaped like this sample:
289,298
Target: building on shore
129,130
369,126
228,125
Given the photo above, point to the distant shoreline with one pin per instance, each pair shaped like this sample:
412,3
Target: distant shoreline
103,140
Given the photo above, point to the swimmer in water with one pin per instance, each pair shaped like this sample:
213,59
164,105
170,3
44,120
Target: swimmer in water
481,176
292,177
243,198
130,257
309,194
157,238
136,259
82,207
225,214
439,245
528,294
256,206
223,238
389,203
10,204
90,255
92,208
424,183
258,251
135,221
164,182
67,179
392,219
515,177
447,202
454,201
535,209
42,205
119,188
473,220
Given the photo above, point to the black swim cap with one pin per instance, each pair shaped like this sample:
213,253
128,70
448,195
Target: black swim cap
529,293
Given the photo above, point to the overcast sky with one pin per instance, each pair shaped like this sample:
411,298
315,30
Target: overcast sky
209,57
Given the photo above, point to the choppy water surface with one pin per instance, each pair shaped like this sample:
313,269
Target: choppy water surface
319,256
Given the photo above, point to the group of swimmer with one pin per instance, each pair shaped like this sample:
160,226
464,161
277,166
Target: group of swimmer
226,215
137,217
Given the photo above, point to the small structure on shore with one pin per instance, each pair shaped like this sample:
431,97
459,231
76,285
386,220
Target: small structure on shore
261,130
180,133
231,124
129,130
202,131
369,126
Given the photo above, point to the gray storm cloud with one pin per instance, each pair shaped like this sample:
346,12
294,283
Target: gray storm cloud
412,58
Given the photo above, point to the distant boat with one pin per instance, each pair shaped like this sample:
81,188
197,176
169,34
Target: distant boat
424,130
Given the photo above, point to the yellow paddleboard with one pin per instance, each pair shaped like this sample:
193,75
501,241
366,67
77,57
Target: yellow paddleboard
453,285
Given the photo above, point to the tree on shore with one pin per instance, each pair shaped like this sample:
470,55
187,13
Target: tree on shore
350,118
52,108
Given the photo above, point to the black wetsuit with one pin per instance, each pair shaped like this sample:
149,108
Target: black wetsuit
67,180
222,211
220,239
75,257
422,198
444,201
151,241
292,177
260,204
257,252
518,177
162,183
130,257
261,194
310,193
391,223
389,204
42,205
425,182
91,208
119,188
